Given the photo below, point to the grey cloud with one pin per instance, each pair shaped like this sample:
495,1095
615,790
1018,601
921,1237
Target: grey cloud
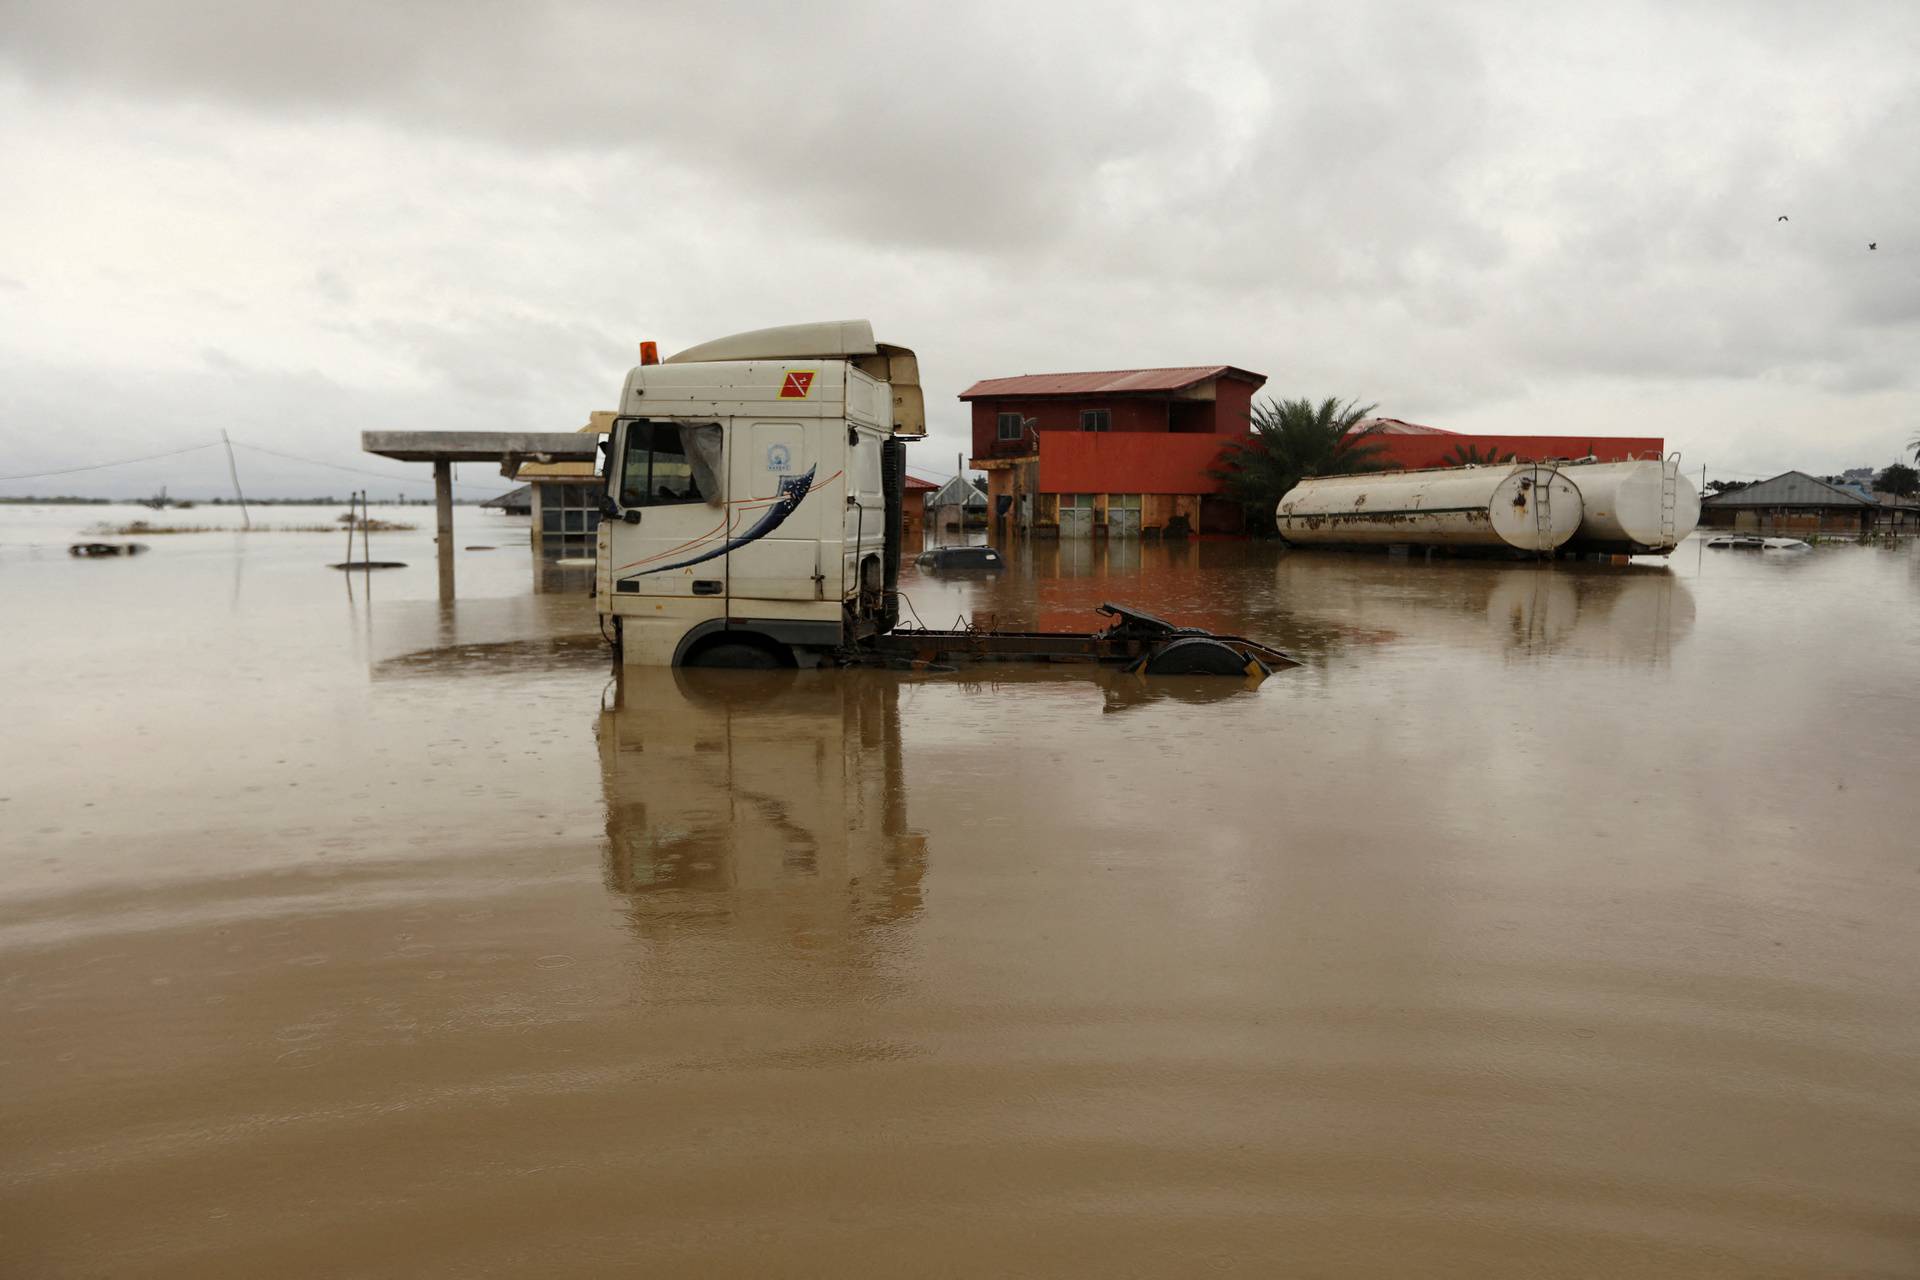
1448,209
333,286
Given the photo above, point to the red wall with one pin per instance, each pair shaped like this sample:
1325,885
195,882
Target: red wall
1128,414
1228,415
1119,462
1233,407
1414,452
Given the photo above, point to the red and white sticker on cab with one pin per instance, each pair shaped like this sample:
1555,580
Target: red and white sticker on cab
798,384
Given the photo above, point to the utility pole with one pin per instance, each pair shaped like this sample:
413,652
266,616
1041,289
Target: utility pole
234,471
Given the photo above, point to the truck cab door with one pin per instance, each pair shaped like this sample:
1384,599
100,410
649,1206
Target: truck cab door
667,509
776,467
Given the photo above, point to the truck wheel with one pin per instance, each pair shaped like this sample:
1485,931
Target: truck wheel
1195,656
737,655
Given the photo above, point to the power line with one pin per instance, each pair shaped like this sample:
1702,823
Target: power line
122,462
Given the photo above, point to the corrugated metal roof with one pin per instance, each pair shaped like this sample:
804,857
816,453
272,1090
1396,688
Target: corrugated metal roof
1788,489
916,485
521,497
957,492
1107,382
1395,427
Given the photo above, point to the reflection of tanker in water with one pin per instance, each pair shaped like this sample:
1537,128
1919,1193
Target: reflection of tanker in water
760,811
1632,614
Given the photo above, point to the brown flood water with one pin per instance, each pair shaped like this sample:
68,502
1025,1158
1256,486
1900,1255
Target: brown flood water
1546,922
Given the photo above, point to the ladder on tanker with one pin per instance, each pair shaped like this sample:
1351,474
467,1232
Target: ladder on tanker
1543,513
1669,499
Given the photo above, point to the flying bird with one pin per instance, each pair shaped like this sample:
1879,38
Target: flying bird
1781,218
1873,244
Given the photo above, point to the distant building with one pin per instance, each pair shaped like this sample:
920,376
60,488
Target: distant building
566,499
1862,490
514,502
1121,452
1893,514
1791,503
913,514
953,508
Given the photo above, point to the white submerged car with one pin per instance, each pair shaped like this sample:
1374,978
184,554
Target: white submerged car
1754,542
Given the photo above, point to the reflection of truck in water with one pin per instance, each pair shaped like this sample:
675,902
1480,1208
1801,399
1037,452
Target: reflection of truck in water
753,518
765,808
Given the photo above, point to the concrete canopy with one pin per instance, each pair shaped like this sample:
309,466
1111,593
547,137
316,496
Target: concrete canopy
478,446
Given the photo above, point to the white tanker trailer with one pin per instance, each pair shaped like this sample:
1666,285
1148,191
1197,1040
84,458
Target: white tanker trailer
1617,508
1525,506
1633,508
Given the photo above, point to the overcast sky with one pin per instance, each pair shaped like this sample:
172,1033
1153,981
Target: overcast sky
299,221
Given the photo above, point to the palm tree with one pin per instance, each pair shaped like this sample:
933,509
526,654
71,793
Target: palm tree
1914,444
1467,455
1293,439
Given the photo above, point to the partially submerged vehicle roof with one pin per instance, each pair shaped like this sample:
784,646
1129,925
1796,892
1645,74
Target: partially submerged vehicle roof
973,557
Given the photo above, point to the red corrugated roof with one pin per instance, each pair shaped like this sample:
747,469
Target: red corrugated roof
1395,427
916,485
1107,382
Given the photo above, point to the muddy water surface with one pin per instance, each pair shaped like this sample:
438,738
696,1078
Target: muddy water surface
1547,921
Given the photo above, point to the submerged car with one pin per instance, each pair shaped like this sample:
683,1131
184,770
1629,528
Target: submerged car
955,559
1753,542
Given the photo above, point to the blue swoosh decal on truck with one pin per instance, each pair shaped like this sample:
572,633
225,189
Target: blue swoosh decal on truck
793,491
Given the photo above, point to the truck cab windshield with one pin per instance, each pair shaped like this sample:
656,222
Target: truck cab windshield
668,463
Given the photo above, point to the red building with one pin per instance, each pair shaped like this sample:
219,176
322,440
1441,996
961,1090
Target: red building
1124,451
913,515
1410,446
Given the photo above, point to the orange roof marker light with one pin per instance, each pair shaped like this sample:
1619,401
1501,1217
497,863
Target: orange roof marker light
649,353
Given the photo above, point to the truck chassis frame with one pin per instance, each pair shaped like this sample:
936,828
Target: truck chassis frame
1133,639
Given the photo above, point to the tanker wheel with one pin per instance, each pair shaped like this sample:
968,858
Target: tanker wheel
736,655
1196,656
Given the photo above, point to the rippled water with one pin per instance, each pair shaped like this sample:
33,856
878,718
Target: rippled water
1546,922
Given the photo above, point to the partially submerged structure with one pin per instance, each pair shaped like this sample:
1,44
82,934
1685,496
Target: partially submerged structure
1120,452
955,507
913,513
566,496
444,448
1792,502
514,502
1618,508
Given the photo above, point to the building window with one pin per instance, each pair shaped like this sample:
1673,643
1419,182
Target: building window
1096,420
569,515
1010,424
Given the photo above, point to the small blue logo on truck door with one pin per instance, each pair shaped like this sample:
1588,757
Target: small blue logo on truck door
779,459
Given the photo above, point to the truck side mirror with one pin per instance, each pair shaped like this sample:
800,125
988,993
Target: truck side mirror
608,507
630,516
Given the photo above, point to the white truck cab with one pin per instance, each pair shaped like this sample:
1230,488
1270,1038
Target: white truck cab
753,500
